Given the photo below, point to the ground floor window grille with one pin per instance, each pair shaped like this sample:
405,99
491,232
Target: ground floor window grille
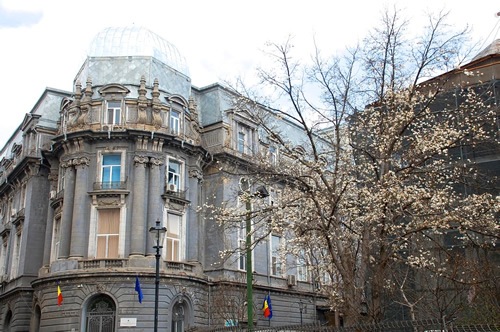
101,315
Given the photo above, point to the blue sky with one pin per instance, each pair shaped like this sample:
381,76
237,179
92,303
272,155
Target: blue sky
44,43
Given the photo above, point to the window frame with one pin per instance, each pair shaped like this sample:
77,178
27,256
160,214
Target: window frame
107,236
244,138
100,172
175,130
169,253
56,239
276,268
115,107
179,183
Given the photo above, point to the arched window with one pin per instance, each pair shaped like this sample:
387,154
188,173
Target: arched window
6,323
100,314
35,320
178,316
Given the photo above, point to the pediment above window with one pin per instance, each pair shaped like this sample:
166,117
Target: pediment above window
116,89
242,116
178,100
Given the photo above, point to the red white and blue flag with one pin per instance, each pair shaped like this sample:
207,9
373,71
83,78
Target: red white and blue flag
267,308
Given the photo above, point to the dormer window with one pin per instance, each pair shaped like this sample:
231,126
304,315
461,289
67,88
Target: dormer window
113,113
175,122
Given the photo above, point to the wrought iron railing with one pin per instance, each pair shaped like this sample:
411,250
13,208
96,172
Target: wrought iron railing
112,185
174,192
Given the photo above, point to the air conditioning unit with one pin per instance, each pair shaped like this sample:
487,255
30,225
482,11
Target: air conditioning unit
291,280
53,194
172,187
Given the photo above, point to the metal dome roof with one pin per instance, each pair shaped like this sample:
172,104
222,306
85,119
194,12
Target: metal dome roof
136,41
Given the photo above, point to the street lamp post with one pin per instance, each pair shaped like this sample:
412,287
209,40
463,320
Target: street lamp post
157,234
302,305
261,192
248,265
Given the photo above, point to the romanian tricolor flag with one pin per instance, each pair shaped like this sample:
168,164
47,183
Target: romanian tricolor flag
59,295
267,308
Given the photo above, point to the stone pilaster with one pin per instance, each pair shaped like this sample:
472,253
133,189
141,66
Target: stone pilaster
154,197
138,230
48,236
67,211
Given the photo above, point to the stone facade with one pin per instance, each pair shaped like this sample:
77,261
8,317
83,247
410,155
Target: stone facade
90,171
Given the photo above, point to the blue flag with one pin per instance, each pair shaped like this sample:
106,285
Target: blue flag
138,289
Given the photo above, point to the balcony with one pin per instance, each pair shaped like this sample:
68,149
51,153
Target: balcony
113,185
145,264
171,191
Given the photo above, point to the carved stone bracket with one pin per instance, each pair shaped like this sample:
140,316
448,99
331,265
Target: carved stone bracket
141,160
195,173
155,162
81,161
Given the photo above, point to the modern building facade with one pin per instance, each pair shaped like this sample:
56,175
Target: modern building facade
87,174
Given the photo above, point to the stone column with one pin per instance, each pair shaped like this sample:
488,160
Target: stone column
80,226
138,229
67,211
154,198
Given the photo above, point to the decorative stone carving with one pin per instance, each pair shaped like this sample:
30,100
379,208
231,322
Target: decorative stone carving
74,108
85,105
140,160
194,123
157,121
66,163
195,173
142,102
155,162
81,161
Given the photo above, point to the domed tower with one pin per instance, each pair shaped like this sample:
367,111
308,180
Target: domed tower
127,157
124,55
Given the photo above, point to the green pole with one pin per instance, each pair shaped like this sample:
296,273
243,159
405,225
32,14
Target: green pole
249,265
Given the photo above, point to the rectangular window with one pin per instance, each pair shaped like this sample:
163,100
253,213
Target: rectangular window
244,139
114,112
108,228
3,255
241,142
111,168
302,272
174,122
275,255
56,240
16,256
242,260
174,226
174,175
272,155
61,183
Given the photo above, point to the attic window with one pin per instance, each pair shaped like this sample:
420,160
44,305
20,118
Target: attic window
113,112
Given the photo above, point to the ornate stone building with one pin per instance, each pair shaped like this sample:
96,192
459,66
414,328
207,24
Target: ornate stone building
86,175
